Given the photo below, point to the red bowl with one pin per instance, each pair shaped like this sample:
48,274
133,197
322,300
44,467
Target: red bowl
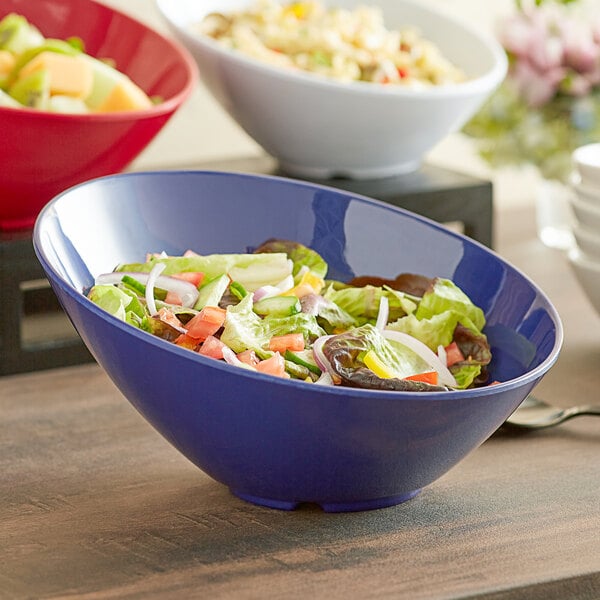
42,154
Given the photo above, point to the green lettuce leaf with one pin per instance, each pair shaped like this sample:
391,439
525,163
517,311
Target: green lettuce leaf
465,375
332,317
433,332
362,303
243,328
116,301
446,295
299,323
300,255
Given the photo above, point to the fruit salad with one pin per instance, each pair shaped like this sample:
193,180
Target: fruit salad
57,75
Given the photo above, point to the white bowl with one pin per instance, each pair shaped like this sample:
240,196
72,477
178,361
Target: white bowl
318,127
588,242
588,193
587,273
587,215
587,163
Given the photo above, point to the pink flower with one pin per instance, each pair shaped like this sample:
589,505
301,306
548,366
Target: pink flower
578,85
516,34
546,53
536,87
582,53
553,49
594,76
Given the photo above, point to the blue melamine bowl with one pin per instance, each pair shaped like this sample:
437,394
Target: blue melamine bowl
278,442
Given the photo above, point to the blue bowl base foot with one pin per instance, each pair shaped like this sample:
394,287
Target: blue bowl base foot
330,507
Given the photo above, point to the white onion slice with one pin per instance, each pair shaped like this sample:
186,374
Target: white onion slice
324,379
442,354
319,356
287,283
383,314
184,289
268,291
428,355
230,357
157,269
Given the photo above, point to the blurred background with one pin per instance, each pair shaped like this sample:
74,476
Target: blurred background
189,140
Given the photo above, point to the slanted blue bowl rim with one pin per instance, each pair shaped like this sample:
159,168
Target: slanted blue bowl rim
48,212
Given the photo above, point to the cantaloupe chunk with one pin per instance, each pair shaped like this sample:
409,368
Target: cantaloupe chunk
7,62
125,95
69,75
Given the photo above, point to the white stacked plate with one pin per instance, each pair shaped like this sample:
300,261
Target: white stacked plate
584,257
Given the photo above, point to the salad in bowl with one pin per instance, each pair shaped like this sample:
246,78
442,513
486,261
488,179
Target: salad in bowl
273,310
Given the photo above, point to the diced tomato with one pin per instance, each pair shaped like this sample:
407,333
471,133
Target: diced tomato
167,316
173,298
212,347
402,72
249,357
290,341
430,377
453,354
275,365
207,322
185,341
193,277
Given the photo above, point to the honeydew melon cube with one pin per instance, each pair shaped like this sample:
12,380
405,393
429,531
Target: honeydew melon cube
67,104
8,101
114,91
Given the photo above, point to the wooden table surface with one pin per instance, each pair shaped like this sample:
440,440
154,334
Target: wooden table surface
95,504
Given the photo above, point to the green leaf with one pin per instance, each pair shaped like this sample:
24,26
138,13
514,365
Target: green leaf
362,303
300,255
433,332
444,296
113,300
299,323
243,328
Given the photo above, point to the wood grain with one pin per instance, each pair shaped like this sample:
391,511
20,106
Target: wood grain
95,504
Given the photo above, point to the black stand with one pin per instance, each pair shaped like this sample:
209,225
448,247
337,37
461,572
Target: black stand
444,196
439,194
34,332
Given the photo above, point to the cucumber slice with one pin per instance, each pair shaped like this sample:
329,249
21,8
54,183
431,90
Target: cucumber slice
210,294
238,290
278,306
304,359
